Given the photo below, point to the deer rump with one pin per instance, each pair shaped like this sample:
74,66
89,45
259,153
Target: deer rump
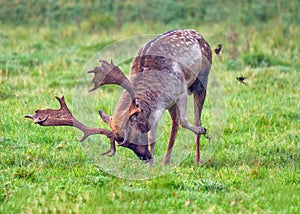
164,72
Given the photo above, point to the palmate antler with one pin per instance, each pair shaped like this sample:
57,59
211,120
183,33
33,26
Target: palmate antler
107,73
63,117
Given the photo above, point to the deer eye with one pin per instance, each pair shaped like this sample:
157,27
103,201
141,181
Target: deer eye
133,117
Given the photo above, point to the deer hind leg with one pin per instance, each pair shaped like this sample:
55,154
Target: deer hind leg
182,106
199,93
174,113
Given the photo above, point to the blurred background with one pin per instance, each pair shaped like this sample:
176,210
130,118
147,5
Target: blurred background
92,15
267,28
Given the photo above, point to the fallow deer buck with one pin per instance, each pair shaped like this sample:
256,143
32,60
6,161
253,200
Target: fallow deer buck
164,72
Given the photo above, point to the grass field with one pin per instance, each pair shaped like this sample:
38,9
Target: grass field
255,168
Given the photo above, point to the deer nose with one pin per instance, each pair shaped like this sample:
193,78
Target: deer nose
146,158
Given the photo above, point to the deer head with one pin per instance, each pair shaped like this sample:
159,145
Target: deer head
126,135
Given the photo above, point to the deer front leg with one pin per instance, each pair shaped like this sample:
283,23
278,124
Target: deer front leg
182,106
174,113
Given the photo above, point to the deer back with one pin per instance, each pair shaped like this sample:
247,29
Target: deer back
187,48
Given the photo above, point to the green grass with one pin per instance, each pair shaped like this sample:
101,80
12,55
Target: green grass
255,167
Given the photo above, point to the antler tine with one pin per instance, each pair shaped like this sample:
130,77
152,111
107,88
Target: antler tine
108,73
105,63
112,150
63,117
105,118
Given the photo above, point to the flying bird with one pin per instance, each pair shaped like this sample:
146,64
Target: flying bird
241,79
218,49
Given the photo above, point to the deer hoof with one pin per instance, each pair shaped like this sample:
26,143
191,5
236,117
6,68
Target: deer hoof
201,130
